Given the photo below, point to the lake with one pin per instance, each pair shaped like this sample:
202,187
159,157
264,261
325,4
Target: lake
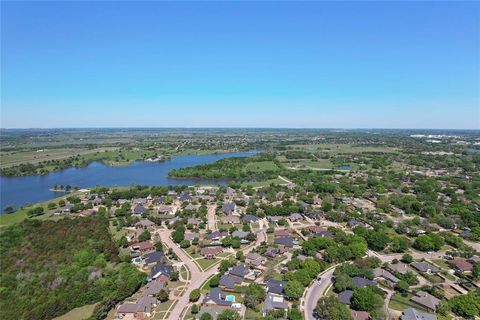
20,191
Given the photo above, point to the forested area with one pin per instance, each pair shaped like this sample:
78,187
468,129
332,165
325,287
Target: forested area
48,268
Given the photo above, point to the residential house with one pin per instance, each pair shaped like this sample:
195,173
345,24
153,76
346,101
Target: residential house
216,298
160,269
426,300
274,219
153,288
272,252
211,252
273,302
240,270
286,242
139,210
425,267
248,218
191,235
164,209
386,275
240,234
136,310
400,267
185,197
276,286
229,208
152,258
192,207
360,282
254,259
360,315
345,296
143,247
229,282
414,314
282,232
295,217
216,236
194,221
461,265
145,224
230,219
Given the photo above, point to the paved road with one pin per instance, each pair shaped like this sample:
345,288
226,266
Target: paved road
211,217
315,291
197,277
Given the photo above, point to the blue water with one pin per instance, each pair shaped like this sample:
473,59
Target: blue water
20,191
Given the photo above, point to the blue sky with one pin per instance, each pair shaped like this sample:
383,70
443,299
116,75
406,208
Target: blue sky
241,64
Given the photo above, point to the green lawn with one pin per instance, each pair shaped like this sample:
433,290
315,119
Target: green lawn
401,303
252,314
79,313
261,166
259,184
205,263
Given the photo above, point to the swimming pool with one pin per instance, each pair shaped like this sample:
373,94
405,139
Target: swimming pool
230,298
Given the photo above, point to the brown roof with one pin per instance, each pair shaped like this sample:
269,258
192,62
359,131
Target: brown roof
282,232
315,229
360,315
461,265
214,251
145,245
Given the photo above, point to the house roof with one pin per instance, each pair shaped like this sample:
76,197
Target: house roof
214,251
414,314
154,287
399,267
360,315
239,234
360,282
216,296
249,218
139,209
216,234
160,269
145,223
228,207
425,267
191,235
193,221
345,296
230,219
230,281
145,245
427,300
295,216
153,257
282,232
286,241
275,286
273,302
240,270
462,265
379,272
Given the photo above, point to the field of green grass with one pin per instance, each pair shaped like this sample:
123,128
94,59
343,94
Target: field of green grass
20,215
206,263
78,313
401,303
341,148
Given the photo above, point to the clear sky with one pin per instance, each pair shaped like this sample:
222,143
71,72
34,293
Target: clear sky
240,64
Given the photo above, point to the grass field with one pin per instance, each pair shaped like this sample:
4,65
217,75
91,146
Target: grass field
11,158
341,148
401,303
205,263
261,166
79,313
20,215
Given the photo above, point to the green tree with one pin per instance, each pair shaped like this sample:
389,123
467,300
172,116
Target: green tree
330,308
146,235
467,306
294,290
366,299
294,314
195,309
194,295
254,296
343,282
206,316
407,258
163,296
229,314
